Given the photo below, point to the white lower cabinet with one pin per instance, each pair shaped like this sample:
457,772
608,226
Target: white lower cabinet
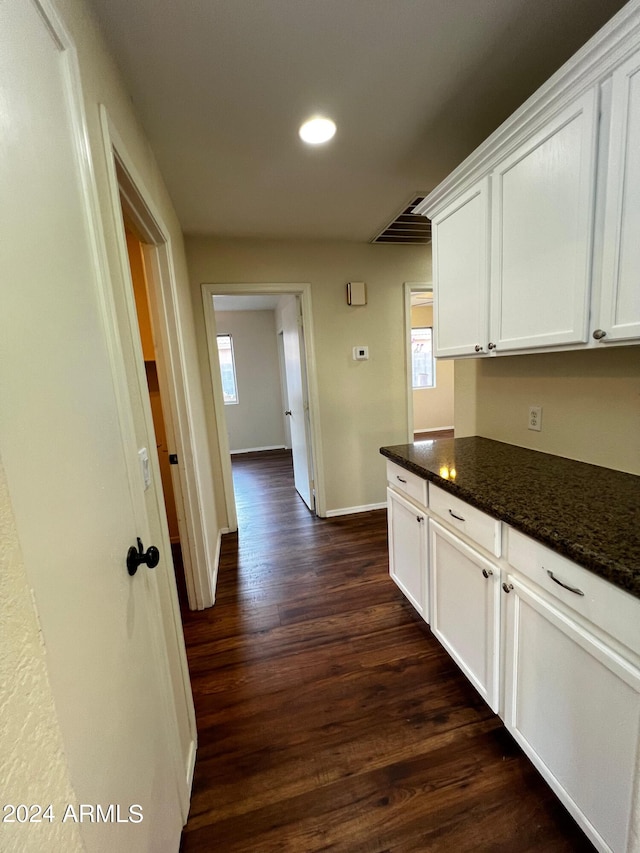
551,647
573,705
408,550
465,609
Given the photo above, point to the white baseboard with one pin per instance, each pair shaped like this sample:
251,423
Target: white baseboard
216,563
258,449
433,429
352,510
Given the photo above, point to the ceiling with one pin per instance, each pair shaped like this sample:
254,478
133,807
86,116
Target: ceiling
221,87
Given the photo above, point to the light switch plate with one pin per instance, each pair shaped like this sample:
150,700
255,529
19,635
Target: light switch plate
143,457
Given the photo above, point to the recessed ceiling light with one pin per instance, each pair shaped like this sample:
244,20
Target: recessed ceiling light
317,130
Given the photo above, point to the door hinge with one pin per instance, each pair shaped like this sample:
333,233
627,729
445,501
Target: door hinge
173,459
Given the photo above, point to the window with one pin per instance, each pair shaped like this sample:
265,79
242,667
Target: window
227,369
423,369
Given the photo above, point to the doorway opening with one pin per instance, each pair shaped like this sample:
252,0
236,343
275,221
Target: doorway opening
163,428
265,330
429,380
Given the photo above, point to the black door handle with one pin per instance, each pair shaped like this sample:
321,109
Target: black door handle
137,556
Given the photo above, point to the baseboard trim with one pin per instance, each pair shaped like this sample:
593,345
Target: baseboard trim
258,449
352,510
433,429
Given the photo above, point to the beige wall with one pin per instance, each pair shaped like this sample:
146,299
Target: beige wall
257,420
590,402
433,407
362,404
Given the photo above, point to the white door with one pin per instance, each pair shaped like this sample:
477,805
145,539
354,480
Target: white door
620,305
283,385
541,235
461,273
465,609
408,562
297,398
61,441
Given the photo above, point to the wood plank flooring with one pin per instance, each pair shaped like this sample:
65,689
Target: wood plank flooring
329,718
435,433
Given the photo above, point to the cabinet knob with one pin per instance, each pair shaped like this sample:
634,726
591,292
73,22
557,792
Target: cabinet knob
599,334
478,348
419,518
491,345
486,573
507,587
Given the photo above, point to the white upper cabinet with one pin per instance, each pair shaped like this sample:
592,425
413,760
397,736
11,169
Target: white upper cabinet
461,268
619,314
535,234
542,229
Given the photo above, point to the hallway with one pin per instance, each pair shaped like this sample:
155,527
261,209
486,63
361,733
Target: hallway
328,716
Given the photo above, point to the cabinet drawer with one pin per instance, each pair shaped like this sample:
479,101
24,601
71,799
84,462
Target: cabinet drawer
608,607
472,522
407,482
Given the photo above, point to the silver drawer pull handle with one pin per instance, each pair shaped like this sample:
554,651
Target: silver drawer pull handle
398,477
564,585
459,517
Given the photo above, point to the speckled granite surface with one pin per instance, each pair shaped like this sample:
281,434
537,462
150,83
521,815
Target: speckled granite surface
584,512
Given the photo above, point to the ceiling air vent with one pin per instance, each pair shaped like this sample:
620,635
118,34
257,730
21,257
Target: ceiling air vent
408,227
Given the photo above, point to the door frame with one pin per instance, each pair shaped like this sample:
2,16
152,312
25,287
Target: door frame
303,290
128,192
409,288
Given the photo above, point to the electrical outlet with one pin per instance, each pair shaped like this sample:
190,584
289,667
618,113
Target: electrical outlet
535,418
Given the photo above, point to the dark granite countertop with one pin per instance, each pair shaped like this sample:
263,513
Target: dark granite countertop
584,512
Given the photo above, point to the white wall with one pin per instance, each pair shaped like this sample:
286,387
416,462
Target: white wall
433,407
362,404
257,420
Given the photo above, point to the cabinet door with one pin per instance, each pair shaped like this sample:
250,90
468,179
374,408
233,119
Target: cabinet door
408,563
461,273
542,230
574,706
465,598
620,303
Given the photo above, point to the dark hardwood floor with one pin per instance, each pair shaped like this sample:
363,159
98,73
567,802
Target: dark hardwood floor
434,433
328,716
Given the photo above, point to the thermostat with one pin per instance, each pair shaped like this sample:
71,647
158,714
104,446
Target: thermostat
360,353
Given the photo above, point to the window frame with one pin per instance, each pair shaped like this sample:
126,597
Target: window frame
413,362
236,397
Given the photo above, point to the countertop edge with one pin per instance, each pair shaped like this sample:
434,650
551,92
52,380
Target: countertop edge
608,570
